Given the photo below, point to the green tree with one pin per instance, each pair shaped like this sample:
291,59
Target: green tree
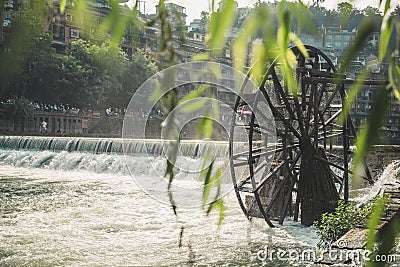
41,71
139,69
22,36
323,16
92,74
348,16
371,11
19,110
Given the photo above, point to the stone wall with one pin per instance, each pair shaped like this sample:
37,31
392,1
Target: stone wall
57,123
381,156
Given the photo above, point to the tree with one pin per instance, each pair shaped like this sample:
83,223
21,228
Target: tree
24,33
317,2
347,16
345,9
371,11
42,69
19,110
91,74
138,71
322,16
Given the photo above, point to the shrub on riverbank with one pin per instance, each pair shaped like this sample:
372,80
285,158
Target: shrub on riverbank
334,225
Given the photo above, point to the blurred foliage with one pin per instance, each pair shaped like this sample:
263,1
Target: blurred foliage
384,244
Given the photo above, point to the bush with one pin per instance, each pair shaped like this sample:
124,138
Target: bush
334,225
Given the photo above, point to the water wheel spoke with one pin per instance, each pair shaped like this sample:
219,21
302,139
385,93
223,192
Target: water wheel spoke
260,166
288,197
337,179
330,99
321,92
268,176
254,153
308,115
278,114
262,130
276,193
294,163
299,115
326,123
263,212
333,117
339,167
280,90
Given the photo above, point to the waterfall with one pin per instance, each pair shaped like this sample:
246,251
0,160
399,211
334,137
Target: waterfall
389,178
194,149
106,154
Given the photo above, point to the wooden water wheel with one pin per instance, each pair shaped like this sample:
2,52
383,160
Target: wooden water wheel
309,160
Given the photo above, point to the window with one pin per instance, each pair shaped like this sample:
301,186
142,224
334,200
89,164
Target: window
74,33
70,17
228,53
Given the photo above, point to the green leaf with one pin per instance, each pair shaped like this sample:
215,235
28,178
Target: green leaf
194,104
220,23
364,31
200,57
387,7
288,65
195,93
387,28
205,127
394,79
352,94
372,223
284,29
247,31
296,40
221,208
369,133
397,94
207,186
218,203
62,6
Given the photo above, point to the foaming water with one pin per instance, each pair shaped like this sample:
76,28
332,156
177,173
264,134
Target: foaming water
390,177
81,209
83,218
75,202
190,148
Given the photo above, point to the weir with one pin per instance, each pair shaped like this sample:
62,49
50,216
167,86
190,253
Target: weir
155,147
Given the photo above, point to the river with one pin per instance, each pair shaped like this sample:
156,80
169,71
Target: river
61,208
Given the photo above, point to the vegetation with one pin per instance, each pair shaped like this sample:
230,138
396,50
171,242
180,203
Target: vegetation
346,216
91,75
